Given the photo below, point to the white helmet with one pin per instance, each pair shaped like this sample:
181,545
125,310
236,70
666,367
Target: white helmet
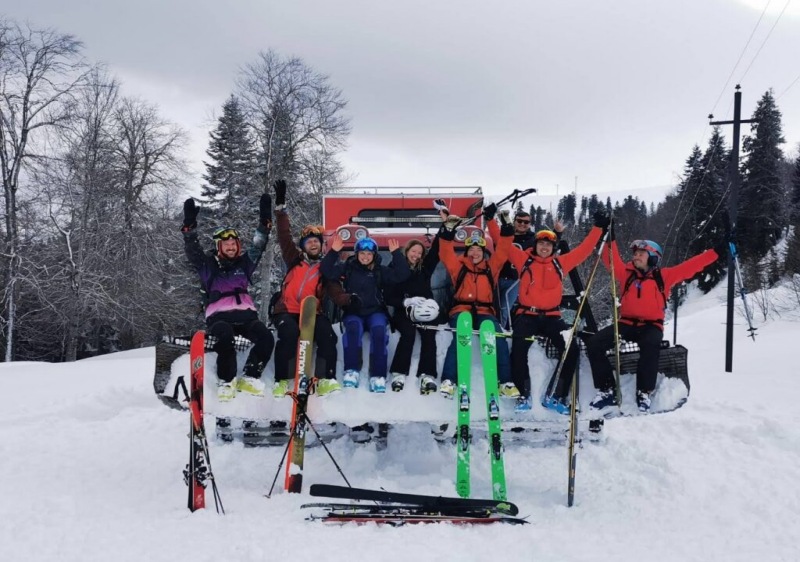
425,311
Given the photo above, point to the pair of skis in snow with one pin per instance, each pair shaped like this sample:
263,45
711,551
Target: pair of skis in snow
488,346
394,508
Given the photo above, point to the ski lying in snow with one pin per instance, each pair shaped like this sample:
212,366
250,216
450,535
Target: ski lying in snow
302,381
489,360
463,436
198,472
431,502
405,514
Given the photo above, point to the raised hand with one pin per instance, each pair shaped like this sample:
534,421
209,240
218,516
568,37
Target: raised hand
265,210
337,243
190,211
280,194
393,244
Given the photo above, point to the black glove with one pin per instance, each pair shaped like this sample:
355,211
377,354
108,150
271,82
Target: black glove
601,220
446,233
190,211
507,229
505,217
441,206
280,194
722,248
265,210
489,211
355,302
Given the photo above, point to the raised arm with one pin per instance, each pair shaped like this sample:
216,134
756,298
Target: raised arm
191,246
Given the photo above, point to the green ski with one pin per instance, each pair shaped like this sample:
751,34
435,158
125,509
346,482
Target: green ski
464,356
489,360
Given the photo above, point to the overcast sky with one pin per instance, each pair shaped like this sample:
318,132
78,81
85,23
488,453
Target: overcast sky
503,95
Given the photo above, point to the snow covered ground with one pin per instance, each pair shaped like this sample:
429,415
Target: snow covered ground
91,461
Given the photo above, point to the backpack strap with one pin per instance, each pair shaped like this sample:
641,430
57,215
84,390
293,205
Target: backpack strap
657,277
462,274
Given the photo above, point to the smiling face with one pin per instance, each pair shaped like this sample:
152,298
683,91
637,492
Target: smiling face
522,224
475,253
312,247
544,248
365,257
229,248
414,254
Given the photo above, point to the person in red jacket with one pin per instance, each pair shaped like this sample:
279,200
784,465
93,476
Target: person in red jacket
302,279
643,299
474,276
537,310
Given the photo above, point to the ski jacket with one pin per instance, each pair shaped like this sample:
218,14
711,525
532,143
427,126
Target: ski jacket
365,282
540,284
643,302
418,283
521,242
303,277
476,293
225,281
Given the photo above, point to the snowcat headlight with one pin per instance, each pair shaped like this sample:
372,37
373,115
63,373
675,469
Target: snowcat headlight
344,234
361,233
461,234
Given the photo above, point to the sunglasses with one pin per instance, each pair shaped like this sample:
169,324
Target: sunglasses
546,235
226,234
522,221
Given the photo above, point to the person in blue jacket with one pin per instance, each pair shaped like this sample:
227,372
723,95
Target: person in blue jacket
364,280
225,274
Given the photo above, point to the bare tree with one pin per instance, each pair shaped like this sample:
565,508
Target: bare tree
40,70
299,124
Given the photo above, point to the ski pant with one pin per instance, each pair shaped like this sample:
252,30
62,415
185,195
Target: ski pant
527,325
288,327
509,291
401,362
376,324
450,369
223,326
646,336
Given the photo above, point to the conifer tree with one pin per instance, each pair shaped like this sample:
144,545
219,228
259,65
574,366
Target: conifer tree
231,187
763,209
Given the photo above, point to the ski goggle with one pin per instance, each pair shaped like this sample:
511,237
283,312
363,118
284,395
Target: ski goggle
312,230
475,239
226,233
547,236
646,245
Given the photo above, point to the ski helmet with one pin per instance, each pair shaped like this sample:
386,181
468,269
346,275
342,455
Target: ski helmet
226,233
546,235
426,311
310,231
366,245
653,250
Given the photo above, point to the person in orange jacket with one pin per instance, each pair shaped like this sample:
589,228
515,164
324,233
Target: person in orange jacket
302,279
644,289
474,276
537,310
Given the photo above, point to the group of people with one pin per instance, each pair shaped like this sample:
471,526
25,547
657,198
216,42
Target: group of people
518,286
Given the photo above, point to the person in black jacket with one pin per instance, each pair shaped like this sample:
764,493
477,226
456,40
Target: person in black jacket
364,280
225,276
414,304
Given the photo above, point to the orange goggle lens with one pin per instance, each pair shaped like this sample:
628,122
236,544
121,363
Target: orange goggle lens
547,235
312,230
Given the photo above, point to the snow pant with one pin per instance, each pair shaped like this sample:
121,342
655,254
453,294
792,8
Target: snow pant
376,324
401,362
288,327
527,325
509,291
223,326
450,369
646,336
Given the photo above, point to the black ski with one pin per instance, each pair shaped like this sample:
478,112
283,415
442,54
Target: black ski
431,502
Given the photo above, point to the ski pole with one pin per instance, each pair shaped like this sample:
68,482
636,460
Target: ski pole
614,316
513,197
748,316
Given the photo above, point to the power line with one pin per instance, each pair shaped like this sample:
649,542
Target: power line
765,40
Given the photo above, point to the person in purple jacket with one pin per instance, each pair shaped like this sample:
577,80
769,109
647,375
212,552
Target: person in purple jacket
225,274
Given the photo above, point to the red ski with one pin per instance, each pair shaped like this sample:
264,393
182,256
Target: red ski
198,471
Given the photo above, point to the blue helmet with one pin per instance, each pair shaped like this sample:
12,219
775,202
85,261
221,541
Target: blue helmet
366,245
653,250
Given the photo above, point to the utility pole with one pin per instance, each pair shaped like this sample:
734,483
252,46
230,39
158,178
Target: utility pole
733,208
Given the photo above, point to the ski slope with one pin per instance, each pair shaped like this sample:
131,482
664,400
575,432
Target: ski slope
91,470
